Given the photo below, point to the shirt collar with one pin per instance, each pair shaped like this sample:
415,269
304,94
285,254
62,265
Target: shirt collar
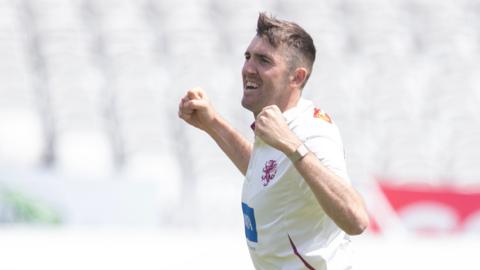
292,113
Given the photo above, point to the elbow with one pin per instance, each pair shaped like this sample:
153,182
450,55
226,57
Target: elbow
357,230
359,226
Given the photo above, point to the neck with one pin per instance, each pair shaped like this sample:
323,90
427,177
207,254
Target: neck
290,103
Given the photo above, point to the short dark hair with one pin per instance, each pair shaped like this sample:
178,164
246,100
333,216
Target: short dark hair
279,32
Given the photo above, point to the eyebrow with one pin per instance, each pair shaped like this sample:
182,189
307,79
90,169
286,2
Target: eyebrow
259,55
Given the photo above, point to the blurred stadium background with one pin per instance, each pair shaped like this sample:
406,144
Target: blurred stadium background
97,171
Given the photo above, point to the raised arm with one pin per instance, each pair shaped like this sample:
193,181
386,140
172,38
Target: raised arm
338,198
196,110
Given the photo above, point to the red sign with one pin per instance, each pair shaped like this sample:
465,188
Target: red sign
428,209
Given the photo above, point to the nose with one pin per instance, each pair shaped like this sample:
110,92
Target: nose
248,67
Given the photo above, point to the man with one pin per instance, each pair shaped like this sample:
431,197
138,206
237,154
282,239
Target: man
297,202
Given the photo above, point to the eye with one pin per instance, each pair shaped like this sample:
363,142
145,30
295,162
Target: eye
264,59
247,56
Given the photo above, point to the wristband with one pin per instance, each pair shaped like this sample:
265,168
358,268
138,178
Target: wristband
301,151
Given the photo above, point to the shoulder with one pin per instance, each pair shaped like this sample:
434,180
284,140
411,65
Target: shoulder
315,122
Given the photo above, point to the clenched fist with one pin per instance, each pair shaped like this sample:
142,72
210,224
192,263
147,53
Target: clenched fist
271,127
196,109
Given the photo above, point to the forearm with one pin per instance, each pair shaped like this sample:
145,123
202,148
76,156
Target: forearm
337,197
233,144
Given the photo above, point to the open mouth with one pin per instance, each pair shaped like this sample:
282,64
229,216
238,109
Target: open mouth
251,85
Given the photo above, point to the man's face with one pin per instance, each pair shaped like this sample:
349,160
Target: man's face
265,76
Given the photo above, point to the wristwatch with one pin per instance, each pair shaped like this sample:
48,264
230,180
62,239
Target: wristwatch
301,151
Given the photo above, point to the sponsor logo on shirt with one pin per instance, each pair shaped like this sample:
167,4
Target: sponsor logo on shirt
317,113
250,225
269,172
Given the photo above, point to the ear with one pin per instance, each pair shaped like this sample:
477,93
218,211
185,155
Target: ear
298,77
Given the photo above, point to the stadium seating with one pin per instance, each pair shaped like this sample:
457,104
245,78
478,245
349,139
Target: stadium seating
96,85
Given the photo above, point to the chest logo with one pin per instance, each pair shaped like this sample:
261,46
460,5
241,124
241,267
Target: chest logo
269,172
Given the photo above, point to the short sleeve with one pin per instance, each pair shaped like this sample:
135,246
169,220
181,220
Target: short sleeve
325,142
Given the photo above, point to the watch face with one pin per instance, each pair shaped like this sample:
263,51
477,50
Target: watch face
301,151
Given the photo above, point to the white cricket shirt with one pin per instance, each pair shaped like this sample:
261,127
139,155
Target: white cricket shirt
285,226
